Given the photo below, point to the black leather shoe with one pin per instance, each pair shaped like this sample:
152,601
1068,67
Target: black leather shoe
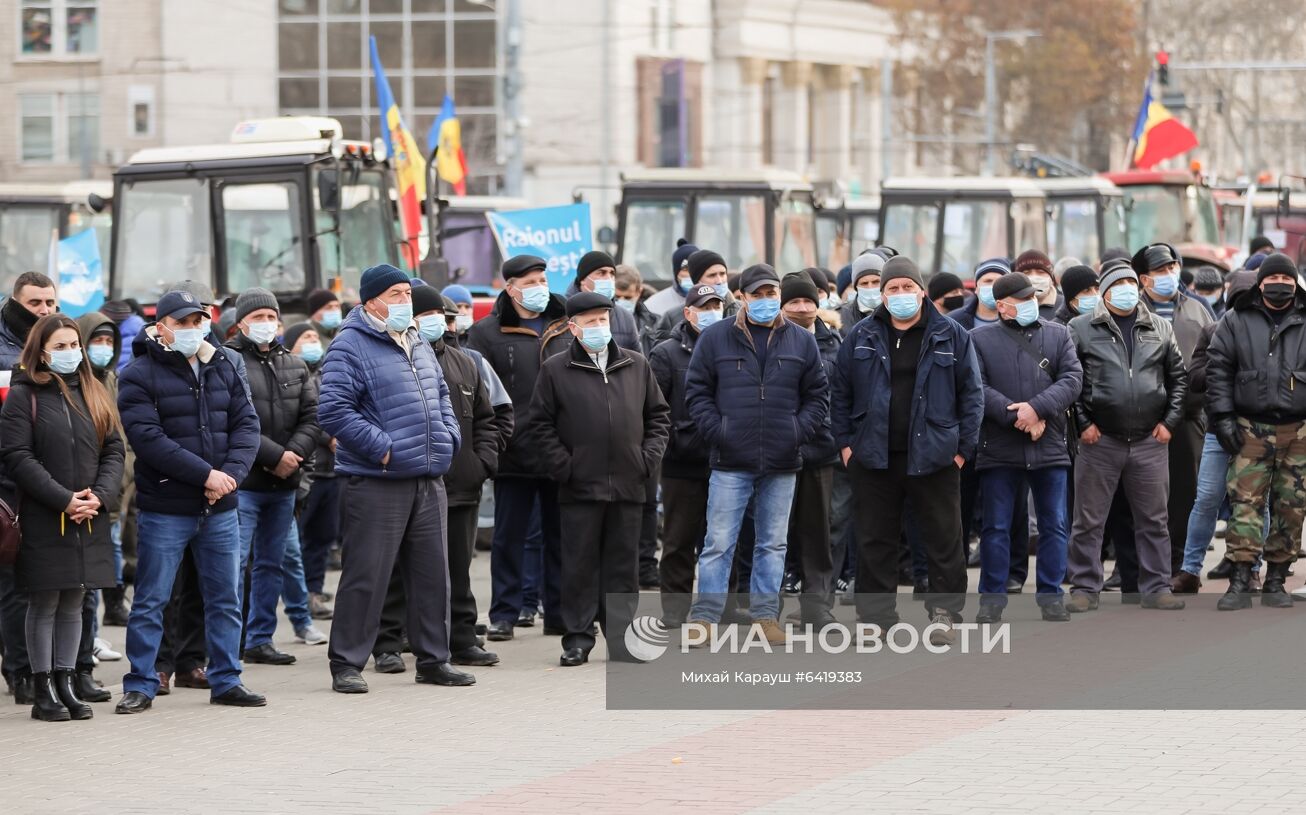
24,690
649,578
920,588
791,583
266,654
348,681
88,690
1113,582
481,628
133,702
500,631
1056,612
475,655
240,696
390,663
989,613
572,657
444,674
1221,571
526,619
1014,586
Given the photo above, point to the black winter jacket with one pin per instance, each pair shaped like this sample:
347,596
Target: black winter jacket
1253,366
285,398
686,455
516,353
821,451
757,420
50,459
599,433
478,457
1127,401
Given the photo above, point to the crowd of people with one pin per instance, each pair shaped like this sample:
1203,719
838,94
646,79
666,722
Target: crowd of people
726,441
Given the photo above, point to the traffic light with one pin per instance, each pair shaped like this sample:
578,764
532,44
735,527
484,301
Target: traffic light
1163,67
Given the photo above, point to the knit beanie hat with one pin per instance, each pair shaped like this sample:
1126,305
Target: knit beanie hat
251,300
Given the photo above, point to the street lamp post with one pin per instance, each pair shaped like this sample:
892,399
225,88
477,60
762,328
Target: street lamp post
991,90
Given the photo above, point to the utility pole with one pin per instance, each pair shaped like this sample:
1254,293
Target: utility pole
605,123
991,92
886,119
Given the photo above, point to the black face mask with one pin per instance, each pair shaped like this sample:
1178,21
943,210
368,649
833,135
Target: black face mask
954,302
1279,294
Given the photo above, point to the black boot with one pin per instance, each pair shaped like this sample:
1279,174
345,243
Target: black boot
115,607
1237,597
23,691
1272,592
86,688
47,708
63,686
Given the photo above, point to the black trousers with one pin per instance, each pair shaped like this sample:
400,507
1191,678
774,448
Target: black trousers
182,648
1185,457
13,618
600,557
1120,528
878,498
86,648
809,539
392,524
684,506
648,528
319,530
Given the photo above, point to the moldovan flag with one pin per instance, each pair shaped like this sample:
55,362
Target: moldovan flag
447,132
1158,135
410,169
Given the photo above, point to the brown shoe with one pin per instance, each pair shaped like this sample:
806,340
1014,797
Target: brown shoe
163,690
1080,602
946,635
318,608
1254,585
196,678
1185,583
772,631
1162,600
703,631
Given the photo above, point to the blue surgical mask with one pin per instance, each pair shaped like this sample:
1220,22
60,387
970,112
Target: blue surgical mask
1087,303
986,297
764,310
828,302
707,318
607,288
722,290
187,341
101,355
595,337
431,326
903,306
535,298
1124,298
331,319
1027,312
65,362
685,284
399,317
849,295
206,325
626,305
868,299
1165,285
310,352
260,333
462,322
1212,299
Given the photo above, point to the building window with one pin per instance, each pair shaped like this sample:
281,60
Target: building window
140,111
57,28
59,128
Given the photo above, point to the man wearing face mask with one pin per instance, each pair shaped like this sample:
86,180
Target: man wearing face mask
324,313
1254,363
982,308
630,298
707,268
1208,284
1133,398
672,298
865,288
285,400
684,466
386,402
947,292
599,425
906,415
1031,376
462,298
196,437
511,337
757,391
1037,266
1079,290
597,272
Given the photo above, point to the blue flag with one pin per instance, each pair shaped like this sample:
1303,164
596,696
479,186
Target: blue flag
81,274
560,235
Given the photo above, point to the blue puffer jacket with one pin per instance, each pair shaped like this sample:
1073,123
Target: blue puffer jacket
376,400
180,428
949,406
756,420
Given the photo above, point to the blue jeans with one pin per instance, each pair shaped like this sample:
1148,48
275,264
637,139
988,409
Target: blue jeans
214,541
1000,490
1212,484
294,591
728,495
264,517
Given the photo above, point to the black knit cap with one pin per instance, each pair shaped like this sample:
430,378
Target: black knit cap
591,262
1075,280
522,265
940,284
1258,243
426,299
582,302
1277,263
1033,260
899,266
799,286
251,300
318,298
293,334
683,250
701,261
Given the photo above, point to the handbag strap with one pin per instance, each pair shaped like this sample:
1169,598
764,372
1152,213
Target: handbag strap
1027,346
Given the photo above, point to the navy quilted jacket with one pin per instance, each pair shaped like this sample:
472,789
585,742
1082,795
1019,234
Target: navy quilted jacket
376,400
181,428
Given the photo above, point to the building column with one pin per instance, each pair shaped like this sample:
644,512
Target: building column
834,125
745,122
789,118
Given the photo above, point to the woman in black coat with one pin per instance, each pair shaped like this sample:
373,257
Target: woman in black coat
61,443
